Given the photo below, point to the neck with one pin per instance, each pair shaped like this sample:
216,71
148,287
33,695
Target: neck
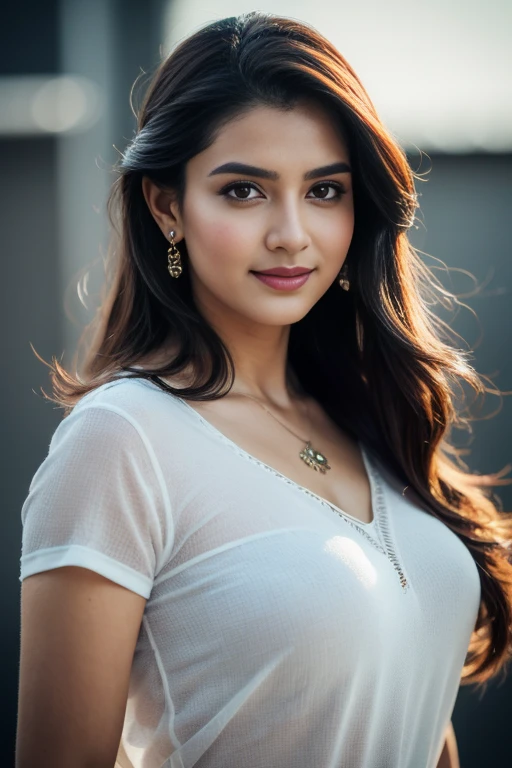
260,357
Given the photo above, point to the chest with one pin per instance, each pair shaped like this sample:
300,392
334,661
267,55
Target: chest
300,576
280,443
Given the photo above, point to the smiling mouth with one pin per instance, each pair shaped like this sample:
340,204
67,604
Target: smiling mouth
280,272
283,283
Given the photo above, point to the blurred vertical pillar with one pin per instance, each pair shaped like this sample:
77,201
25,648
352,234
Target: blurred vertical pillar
53,224
109,42
28,313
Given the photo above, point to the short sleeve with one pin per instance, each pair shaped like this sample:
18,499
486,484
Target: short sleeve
98,501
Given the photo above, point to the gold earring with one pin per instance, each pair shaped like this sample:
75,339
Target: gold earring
343,279
174,257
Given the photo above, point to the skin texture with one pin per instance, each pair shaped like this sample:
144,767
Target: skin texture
78,636
449,757
285,222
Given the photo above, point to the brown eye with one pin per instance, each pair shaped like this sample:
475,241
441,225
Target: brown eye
244,188
242,191
324,191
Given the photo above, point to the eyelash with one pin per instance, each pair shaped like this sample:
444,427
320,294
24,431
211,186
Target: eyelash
237,184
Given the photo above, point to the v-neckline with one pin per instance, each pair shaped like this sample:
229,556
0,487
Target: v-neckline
377,498
377,532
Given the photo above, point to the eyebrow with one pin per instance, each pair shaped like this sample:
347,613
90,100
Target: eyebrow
251,170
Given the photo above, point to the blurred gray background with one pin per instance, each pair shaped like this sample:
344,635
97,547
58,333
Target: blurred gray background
440,78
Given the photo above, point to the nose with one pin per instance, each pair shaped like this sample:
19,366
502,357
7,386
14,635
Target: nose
287,229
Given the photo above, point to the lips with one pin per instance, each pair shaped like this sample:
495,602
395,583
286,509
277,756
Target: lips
284,271
280,283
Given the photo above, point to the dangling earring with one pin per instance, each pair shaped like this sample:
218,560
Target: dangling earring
343,279
174,257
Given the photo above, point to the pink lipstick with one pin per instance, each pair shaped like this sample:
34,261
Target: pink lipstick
284,278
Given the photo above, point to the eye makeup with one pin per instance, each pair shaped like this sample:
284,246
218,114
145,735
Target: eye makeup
243,184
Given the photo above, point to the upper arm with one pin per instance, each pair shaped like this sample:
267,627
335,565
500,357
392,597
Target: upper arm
96,527
78,635
449,757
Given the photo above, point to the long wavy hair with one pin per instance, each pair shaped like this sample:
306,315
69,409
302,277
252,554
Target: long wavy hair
383,366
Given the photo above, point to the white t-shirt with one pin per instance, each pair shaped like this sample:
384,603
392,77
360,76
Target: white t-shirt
278,632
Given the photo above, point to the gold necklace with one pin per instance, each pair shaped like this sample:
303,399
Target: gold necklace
310,455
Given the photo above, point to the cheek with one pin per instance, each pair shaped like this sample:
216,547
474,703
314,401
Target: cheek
229,239
348,229
336,232
216,239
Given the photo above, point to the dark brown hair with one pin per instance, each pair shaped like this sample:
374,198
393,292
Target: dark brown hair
377,358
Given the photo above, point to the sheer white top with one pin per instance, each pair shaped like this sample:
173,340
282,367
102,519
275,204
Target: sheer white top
278,632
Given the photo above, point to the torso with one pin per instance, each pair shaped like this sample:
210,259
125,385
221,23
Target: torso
248,425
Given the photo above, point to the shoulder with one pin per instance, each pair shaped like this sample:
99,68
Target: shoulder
135,404
131,397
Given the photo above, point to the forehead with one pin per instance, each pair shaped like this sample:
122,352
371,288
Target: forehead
304,137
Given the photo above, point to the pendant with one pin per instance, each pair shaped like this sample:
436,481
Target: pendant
314,458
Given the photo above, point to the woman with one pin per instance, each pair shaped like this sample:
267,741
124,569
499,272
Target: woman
250,543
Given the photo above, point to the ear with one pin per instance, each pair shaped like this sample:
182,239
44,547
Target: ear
163,207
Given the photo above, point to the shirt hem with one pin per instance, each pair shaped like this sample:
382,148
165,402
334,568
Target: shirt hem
85,557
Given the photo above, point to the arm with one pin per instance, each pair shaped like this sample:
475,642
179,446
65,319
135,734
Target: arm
78,637
449,757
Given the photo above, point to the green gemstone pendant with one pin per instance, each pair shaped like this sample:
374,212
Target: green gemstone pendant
314,458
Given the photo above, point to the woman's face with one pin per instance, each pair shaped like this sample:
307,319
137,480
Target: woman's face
289,209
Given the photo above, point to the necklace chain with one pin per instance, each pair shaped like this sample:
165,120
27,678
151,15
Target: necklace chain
311,456
275,417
